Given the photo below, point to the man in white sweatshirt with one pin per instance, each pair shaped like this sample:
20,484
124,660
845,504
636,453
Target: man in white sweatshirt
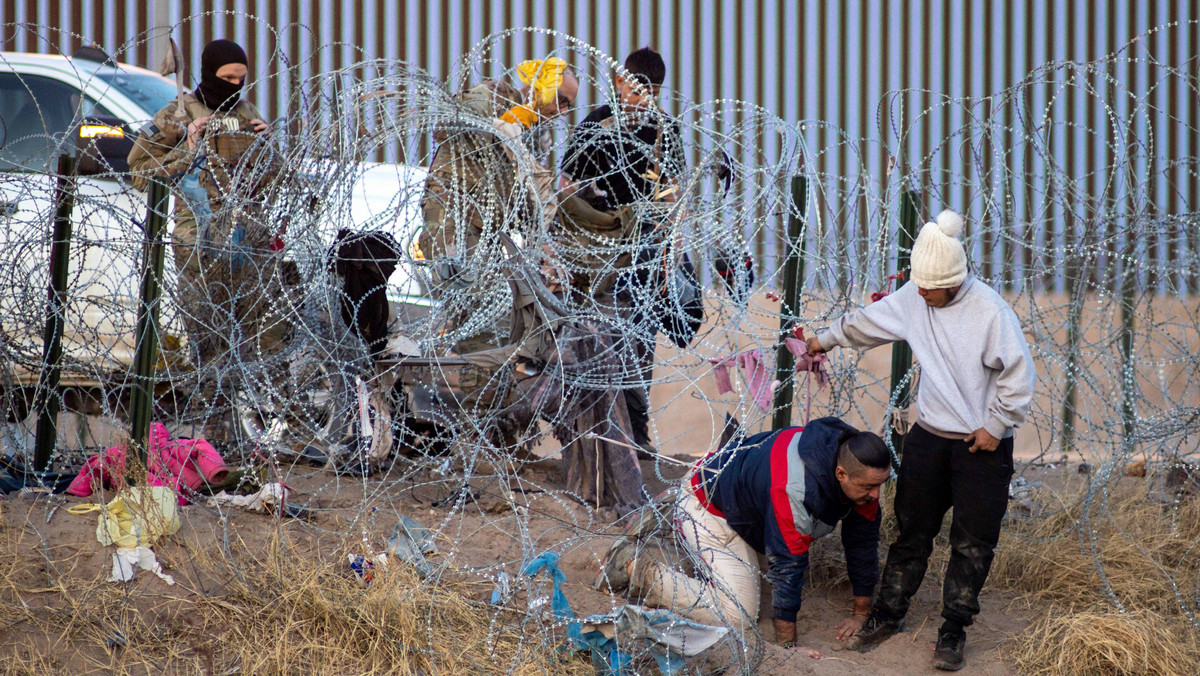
977,379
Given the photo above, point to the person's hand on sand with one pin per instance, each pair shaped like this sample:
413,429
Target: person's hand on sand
809,652
848,627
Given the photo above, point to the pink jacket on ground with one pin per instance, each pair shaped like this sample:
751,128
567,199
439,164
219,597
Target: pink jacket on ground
183,464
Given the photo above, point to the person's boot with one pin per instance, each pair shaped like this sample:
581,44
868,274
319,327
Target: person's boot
948,655
614,569
874,631
651,519
646,451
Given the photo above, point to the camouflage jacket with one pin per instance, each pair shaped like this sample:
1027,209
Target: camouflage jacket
475,179
161,148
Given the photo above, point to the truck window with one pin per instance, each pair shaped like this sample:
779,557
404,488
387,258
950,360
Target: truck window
35,115
151,92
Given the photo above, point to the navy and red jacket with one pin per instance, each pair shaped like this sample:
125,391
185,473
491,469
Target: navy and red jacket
778,492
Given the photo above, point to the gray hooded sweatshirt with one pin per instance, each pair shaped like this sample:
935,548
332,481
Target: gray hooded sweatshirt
976,370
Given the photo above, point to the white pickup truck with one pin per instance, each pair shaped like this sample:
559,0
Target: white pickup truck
49,104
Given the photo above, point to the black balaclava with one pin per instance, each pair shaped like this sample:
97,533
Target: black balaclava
212,91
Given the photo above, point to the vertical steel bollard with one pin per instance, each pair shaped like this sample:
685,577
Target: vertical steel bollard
60,261
901,352
1076,279
141,404
1129,290
793,276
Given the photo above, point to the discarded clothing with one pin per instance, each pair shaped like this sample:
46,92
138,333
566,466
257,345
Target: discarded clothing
721,373
137,517
15,477
558,601
814,364
184,465
593,423
133,521
126,561
667,636
503,591
267,499
758,380
364,261
411,542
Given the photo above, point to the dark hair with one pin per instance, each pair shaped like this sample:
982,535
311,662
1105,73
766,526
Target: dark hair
648,64
865,449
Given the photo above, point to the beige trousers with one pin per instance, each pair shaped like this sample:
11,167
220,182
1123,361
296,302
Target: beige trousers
731,598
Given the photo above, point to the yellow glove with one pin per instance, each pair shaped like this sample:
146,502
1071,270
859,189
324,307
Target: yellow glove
522,115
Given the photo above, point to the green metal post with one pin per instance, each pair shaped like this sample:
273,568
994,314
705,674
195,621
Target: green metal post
60,261
901,352
141,403
1129,284
793,276
1075,290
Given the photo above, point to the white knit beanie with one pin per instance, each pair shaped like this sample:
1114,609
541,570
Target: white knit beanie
938,259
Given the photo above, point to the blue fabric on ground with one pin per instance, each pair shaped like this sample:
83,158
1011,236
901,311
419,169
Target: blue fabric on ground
558,601
16,476
670,638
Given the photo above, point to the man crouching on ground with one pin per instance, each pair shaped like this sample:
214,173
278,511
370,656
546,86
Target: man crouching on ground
772,493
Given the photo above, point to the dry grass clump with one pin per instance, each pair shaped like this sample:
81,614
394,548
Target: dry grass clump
1141,547
1139,544
276,611
1106,642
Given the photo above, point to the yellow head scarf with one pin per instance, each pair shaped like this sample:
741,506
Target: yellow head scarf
544,77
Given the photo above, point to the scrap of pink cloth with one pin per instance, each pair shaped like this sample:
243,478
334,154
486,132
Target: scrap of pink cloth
758,379
814,364
182,464
721,373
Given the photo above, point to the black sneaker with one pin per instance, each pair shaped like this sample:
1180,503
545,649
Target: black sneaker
948,656
874,631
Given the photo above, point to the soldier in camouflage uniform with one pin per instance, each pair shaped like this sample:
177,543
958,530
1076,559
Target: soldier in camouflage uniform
205,144
477,186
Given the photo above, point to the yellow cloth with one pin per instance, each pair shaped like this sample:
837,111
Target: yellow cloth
137,517
544,78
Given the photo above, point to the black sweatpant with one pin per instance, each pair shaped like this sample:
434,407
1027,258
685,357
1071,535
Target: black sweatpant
937,474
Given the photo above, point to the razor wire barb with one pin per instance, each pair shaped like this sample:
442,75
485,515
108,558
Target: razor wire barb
487,359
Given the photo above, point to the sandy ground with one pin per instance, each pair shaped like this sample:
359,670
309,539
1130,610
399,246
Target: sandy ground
479,540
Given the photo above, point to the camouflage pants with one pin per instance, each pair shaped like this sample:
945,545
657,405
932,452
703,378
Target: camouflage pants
937,474
228,298
230,301
637,350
